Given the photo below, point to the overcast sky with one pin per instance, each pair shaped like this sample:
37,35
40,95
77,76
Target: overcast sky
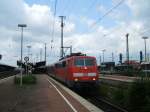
82,29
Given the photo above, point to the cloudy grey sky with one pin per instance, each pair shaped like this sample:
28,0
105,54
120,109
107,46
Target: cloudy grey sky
132,17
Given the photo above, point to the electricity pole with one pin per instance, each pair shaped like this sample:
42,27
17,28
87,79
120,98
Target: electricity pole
70,49
45,53
100,60
112,57
41,54
127,51
127,48
103,55
62,26
37,57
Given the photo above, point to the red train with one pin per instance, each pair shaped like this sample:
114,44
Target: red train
75,69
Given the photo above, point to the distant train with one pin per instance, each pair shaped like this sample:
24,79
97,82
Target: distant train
75,69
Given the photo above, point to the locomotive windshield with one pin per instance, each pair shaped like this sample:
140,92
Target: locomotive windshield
84,62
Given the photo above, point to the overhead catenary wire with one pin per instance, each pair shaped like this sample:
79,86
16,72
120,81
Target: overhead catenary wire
141,32
108,12
92,26
93,2
112,31
145,31
118,28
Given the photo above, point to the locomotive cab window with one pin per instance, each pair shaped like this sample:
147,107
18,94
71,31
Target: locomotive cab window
64,64
84,62
89,62
79,62
58,65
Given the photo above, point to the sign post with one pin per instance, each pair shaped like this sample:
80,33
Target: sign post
26,60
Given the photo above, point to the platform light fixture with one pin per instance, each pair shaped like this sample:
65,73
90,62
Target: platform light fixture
21,26
145,38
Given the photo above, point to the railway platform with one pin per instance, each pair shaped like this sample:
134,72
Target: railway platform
45,96
115,80
119,78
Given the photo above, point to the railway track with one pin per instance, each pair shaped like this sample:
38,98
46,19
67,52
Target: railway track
105,105
93,96
5,74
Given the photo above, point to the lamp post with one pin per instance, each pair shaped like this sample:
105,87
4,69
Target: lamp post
21,26
145,55
127,48
145,47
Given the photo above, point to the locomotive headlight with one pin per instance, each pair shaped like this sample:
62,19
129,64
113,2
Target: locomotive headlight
94,79
76,79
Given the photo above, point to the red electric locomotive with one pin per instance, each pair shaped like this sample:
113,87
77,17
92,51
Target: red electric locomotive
76,68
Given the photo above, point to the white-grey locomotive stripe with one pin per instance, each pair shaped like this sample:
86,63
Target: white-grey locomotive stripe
77,74
83,74
71,106
91,74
